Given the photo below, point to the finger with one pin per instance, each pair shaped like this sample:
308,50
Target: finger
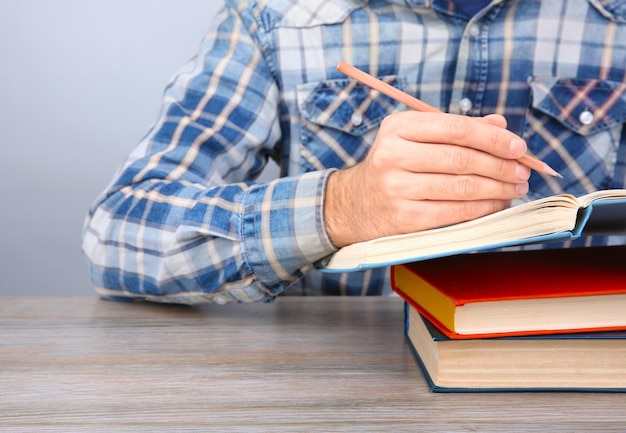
452,159
444,187
455,129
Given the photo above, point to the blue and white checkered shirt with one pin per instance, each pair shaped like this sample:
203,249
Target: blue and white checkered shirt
184,219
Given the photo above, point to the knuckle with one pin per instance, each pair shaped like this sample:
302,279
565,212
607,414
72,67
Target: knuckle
458,127
383,158
392,186
403,218
392,122
465,186
498,140
461,160
503,169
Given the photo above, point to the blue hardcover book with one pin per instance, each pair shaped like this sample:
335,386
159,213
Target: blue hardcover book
550,219
590,362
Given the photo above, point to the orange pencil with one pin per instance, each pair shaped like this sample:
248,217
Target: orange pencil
417,105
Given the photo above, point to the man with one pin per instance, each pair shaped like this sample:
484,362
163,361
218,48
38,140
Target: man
185,219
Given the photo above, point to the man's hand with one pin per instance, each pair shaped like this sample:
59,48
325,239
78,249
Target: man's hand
426,170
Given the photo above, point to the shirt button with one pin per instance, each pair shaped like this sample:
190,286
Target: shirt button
465,105
356,119
474,30
586,117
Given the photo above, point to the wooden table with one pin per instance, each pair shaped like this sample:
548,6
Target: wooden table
298,365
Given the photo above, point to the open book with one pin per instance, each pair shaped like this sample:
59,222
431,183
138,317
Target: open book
555,218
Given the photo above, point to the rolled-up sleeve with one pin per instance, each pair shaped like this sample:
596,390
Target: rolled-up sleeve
183,221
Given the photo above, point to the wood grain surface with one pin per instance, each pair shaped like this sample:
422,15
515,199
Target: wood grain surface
298,365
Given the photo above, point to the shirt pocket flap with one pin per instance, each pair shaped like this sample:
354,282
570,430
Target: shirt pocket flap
346,105
583,106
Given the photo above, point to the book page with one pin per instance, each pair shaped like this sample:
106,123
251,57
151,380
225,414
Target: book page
587,199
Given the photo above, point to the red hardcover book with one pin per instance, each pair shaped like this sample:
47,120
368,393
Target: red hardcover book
519,292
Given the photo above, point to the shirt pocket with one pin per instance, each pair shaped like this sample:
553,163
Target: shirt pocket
575,126
339,121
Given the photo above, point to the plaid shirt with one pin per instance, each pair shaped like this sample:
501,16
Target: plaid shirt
184,219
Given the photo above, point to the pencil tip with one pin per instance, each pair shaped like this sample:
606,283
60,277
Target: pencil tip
552,171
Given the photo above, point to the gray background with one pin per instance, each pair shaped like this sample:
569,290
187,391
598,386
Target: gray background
80,83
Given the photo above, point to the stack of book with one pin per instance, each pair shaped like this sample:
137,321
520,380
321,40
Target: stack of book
552,319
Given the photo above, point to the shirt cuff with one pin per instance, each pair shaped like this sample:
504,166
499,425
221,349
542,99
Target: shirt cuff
283,228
